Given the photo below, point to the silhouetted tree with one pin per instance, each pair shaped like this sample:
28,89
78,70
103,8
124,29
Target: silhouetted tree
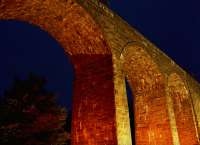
106,2
29,115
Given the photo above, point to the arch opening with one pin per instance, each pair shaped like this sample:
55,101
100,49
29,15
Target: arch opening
29,54
93,109
93,116
26,49
91,71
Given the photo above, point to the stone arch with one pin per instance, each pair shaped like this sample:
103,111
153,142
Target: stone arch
148,85
93,117
182,108
66,21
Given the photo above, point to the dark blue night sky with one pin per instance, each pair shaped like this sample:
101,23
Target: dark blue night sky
26,48
173,25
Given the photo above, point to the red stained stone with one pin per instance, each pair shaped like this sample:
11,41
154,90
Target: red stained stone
93,121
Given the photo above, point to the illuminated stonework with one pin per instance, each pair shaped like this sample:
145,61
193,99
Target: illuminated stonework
121,105
104,50
185,122
151,118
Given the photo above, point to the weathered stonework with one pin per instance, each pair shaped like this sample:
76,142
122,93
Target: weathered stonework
121,104
104,50
93,119
181,100
65,20
151,117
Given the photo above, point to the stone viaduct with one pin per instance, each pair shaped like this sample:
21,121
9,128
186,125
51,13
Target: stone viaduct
105,50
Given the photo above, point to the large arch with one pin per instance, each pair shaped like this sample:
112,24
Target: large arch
93,119
65,20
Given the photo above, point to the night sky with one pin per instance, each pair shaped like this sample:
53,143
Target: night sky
26,48
172,25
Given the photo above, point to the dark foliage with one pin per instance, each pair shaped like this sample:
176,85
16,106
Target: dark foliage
30,116
106,2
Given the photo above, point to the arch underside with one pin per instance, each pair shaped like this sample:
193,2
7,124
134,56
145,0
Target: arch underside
65,21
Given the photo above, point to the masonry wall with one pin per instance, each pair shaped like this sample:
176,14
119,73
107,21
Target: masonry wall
119,35
152,124
93,119
182,105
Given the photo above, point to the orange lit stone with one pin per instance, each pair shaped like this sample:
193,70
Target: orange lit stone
183,110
